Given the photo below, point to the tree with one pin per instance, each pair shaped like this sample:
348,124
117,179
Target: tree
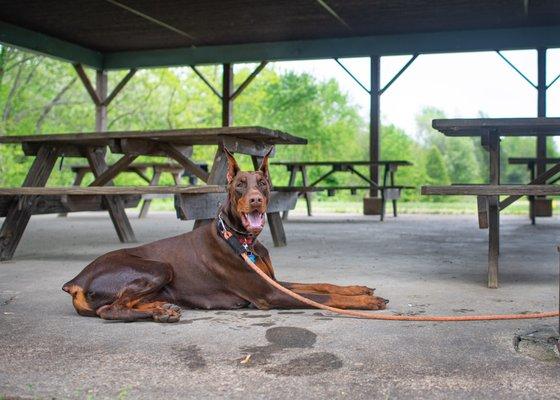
435,167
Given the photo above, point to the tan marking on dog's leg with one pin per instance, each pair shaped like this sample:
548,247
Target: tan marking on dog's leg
79,301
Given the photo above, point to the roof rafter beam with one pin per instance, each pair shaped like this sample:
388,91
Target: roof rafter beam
516,69
352,76
398,74
249,79
36,42
553,81
329,9
206,81
151,19
393,79
119,87
384,45
87,84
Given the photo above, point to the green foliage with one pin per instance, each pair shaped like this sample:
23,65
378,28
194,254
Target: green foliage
40,95
435,168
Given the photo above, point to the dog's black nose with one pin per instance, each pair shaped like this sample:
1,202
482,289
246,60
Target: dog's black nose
386,301
255,200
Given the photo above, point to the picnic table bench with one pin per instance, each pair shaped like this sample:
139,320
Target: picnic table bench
538,206
389,190
140,169
175,144
489,205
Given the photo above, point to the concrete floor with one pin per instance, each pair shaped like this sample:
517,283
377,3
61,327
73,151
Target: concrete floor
423,264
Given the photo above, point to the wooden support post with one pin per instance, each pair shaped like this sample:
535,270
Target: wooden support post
114,170
291,182
217,176
101,109
20,210
114,204
274,218
227,92
77,182
372,204
306,194
493,141
393,168
374,120
482,206
146,204
189,166
541,112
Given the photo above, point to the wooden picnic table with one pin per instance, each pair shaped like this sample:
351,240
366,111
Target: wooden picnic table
140,169
489,206
538,206
175,144
389,191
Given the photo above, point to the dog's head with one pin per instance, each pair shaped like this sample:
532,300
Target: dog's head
248,194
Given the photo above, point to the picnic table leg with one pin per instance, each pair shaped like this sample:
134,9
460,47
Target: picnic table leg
146,203
394,200
292,180
493,146
383,205
21,209
217,176
493,242
306,194
77,182
177,179
114,204
532,213
274,219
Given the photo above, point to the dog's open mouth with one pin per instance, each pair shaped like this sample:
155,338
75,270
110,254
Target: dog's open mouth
253,221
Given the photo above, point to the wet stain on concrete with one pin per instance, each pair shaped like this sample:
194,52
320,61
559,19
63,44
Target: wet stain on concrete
287,336
190,321
279,338
310,364
250,315
539,343
462,310
192,357
265,324
291,312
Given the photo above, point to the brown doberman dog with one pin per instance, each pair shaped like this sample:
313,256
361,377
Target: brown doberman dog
200,270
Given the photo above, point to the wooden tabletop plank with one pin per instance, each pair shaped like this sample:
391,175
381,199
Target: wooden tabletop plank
492,190
133,166
527,160
333,163
110,190
178,136
503,126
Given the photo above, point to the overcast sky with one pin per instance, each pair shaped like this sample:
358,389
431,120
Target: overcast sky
460,84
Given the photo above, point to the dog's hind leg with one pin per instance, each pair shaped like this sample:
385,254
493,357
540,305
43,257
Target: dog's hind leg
159,311
125,287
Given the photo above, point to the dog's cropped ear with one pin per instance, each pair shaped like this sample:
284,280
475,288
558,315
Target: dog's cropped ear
264,165
232,167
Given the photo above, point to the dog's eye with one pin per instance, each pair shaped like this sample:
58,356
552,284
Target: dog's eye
262,183
240,185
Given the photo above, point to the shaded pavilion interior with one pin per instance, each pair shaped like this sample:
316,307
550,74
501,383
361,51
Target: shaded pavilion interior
44,341
123,34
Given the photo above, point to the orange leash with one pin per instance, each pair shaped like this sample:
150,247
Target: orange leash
361,314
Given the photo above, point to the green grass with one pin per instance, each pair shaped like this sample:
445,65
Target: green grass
353,205
466,205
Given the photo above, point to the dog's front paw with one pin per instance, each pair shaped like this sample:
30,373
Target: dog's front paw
376,303
360,290
169,313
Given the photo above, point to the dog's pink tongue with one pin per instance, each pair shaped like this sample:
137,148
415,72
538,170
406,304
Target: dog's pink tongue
255,219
